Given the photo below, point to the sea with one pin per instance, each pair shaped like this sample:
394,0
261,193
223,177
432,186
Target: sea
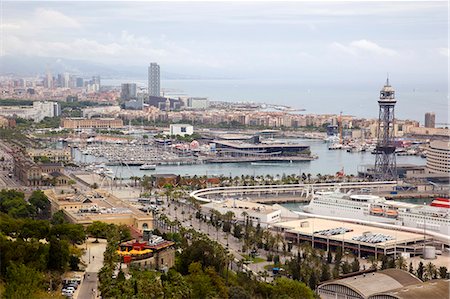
351,98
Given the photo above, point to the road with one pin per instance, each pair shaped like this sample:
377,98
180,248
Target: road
233,244
88,288
93,258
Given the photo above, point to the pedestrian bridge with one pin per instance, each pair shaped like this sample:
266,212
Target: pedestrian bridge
292,190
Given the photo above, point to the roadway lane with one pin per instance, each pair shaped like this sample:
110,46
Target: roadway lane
93,258
88,288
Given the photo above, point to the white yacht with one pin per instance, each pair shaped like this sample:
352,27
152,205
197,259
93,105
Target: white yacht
378,209
147,167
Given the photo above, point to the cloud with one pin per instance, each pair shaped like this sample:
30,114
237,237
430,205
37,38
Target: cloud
443,51
50,18
363,46
123,48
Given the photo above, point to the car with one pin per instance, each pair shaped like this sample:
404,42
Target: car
74,285
67,292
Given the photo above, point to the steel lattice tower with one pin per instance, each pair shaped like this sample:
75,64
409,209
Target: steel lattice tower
385,164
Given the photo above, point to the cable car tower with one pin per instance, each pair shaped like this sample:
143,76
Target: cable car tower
385,164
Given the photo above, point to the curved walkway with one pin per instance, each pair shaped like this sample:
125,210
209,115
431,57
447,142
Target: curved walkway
299,189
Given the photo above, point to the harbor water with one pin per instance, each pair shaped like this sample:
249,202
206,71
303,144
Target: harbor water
329,162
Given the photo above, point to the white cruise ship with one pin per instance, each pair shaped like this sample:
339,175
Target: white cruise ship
378,209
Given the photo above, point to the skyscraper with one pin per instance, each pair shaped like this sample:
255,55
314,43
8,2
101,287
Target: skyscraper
153,80
128,91
430,120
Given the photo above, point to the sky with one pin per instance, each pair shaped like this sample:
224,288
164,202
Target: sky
238,39
326,44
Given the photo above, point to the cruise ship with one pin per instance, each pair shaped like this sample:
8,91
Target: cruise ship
434,218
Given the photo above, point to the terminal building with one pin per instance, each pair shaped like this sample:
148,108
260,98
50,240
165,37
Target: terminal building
362,240
282,149
384,284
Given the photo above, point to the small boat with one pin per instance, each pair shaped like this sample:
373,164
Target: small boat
376,211
391,213
147,167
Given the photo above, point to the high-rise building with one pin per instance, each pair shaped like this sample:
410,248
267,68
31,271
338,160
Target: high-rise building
48,80
128,91
153,80
79,82
430,120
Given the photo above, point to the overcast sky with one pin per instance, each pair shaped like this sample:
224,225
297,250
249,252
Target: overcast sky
328,40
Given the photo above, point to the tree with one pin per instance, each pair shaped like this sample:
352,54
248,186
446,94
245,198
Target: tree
58,254
237,231
58,218
430,271
238,292
175,285
312,283
400,263
346,267
288,288
325,272
71,232
329,257
201,283
373,262
21,281
355,265
420,271
97,230
338,256
384,262
336,269
443,272
40,203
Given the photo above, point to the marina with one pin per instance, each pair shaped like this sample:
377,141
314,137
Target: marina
328,162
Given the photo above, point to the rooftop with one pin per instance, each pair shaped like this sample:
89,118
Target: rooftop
310,225
376,282
430,289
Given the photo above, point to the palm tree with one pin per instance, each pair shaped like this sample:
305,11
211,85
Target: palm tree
400,263
278,240
430,271
245,215
373,262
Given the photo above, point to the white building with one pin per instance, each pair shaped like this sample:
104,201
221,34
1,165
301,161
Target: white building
45,109
101,111
37,112
181,129
257,213
198,103
438,157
